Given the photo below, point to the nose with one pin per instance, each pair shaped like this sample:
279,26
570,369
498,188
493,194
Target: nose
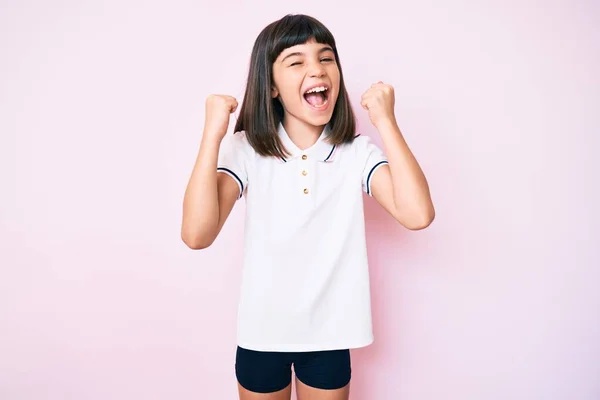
316,69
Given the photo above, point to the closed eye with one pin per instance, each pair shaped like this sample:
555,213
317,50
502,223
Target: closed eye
299,62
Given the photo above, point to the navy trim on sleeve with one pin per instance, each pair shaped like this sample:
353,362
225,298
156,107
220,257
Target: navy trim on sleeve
235,176
370,173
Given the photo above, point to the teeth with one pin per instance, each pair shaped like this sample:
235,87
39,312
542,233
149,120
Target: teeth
317,89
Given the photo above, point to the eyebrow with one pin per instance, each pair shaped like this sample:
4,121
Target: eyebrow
299,53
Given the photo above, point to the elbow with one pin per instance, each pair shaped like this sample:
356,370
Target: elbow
198,245
418,221
197,242
417,226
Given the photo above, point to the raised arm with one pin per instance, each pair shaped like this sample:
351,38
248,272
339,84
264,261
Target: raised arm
209,196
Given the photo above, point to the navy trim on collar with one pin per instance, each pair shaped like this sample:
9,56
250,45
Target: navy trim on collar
321,149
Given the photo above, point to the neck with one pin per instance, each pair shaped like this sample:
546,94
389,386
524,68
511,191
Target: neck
303,134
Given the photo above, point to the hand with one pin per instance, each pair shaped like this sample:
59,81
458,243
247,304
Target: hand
218,109
378,100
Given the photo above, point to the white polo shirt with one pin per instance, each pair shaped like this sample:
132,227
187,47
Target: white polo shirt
305,279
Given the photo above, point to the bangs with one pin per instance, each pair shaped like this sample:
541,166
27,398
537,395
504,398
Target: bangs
299,29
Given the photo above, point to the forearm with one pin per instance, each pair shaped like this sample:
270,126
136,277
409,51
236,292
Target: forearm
412,198
201,204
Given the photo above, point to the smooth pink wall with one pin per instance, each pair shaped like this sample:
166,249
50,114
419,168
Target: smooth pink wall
101,112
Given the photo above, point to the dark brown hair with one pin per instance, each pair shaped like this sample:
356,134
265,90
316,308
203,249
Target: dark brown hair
261,114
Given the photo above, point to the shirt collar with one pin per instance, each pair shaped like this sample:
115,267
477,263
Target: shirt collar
321,150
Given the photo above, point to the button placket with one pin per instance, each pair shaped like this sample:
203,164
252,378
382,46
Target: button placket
305,172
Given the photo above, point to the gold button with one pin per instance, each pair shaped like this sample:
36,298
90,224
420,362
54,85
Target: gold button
304,157
304,172
305,191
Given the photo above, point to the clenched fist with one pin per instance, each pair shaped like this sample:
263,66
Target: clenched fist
379,100
218,109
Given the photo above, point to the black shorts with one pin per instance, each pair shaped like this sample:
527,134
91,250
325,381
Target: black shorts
270,371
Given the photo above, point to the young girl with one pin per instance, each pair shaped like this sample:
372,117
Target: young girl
296,159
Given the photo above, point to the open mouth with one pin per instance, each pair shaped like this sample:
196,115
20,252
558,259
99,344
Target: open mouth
317,97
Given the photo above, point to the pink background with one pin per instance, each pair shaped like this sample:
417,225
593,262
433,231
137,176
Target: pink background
101,112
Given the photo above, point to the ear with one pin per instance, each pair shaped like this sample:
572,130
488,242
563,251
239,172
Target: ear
274,92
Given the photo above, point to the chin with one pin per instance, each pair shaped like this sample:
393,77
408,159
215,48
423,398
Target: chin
318,118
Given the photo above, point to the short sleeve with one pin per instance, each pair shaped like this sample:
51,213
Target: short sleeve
233,159
373,158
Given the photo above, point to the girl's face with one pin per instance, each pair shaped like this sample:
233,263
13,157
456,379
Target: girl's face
306,79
